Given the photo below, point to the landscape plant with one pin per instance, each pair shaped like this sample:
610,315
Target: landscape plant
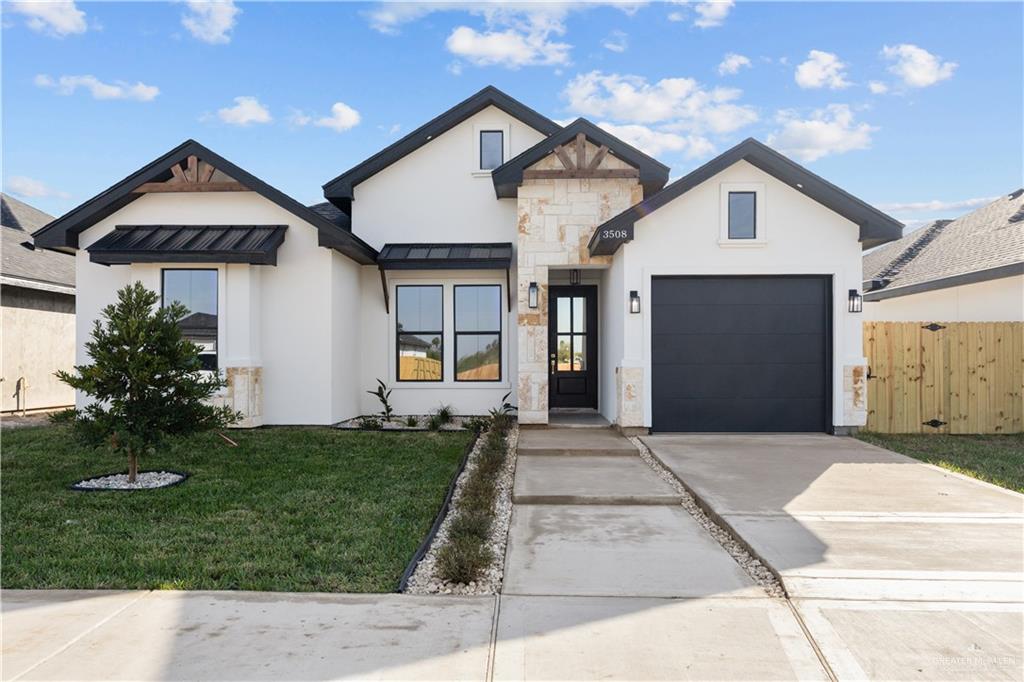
383,394
146,382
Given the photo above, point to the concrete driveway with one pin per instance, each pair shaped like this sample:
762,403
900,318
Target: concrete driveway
898,569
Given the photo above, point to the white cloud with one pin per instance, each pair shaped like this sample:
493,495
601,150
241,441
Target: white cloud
211,21
617,41
821,70
246,110
31,188
732,63
917,67
831,130
936,205
655,142
297,117
681,104
510,48
342,118
57,17
67,85
878,87
712,13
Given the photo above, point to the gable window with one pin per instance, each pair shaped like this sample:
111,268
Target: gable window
197,291
492,149
419,333
478,332
742,215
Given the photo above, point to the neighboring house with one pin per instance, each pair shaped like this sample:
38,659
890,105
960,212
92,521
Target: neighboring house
491,251
37,293
966,270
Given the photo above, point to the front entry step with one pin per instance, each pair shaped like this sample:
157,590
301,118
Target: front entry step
589,480
568,441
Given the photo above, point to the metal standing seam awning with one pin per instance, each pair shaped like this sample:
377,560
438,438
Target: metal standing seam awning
255,244
451,256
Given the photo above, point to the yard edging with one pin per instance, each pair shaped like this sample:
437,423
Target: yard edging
442,513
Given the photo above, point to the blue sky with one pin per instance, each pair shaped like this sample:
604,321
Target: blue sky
914,107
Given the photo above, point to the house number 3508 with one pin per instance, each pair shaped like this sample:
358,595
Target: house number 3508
614,234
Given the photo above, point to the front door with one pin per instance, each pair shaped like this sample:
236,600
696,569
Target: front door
572,346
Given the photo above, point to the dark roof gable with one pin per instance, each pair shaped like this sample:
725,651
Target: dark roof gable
63,232
339,190
508,176
875,227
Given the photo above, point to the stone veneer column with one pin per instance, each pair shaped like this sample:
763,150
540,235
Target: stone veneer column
855,391
556,218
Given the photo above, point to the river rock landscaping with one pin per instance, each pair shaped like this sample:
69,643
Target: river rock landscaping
467,556
146,480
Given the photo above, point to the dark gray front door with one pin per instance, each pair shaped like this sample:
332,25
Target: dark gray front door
572,346
741,353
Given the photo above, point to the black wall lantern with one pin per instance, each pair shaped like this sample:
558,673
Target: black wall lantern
856,301
574,277
634,301
532,298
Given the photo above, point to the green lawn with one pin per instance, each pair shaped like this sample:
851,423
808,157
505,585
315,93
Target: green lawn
994,458
290,509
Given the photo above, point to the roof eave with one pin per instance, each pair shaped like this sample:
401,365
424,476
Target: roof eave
1011,270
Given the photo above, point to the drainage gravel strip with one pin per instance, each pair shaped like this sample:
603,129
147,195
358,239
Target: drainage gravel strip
425,579
758,572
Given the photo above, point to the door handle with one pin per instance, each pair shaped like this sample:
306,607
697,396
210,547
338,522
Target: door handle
554,362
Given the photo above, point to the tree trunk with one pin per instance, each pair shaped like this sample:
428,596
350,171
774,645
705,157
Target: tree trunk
133,466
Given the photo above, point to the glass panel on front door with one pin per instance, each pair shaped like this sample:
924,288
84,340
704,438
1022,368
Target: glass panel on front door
570,350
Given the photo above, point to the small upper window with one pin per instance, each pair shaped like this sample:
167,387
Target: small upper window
742,215
492,149
197,291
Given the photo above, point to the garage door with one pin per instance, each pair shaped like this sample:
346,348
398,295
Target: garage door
740,353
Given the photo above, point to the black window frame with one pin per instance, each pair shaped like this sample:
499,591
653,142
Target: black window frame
480,145
753,214
216,300
400,332
457,333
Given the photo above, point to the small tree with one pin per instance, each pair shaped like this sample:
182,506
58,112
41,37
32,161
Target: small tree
146,381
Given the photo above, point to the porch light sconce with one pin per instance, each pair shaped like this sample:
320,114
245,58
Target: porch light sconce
634,301
533,295
856,301
574,277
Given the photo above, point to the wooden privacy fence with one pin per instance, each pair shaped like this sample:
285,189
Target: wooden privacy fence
945,377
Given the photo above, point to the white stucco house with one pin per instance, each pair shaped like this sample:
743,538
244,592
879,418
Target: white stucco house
966,270
493,251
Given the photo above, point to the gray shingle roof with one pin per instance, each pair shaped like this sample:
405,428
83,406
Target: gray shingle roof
21,216
20,259
986,239
34,265
333,213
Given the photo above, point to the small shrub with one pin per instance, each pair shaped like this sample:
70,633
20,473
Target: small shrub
412,422
462,559
477,424
370,423
67,416
434,423
473,524
444,413
383,394
477,494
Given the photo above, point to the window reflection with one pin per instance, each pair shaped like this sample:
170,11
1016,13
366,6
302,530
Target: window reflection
197,291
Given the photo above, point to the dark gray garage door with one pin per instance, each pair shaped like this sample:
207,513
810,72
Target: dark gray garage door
740,353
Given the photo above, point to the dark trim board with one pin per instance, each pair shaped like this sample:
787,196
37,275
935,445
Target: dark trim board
946,282
722,352
63,232
339,191
875,227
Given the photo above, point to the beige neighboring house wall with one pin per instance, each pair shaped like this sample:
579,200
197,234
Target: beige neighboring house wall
37,315
997,300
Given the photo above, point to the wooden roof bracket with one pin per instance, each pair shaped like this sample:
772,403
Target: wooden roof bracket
384,286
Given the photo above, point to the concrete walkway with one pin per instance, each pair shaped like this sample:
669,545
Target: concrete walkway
898,569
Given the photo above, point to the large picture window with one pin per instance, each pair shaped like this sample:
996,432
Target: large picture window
478,332
197,291
420,333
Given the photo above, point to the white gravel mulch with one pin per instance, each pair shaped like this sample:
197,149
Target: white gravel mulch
144,481
425,580
758,572
399,424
